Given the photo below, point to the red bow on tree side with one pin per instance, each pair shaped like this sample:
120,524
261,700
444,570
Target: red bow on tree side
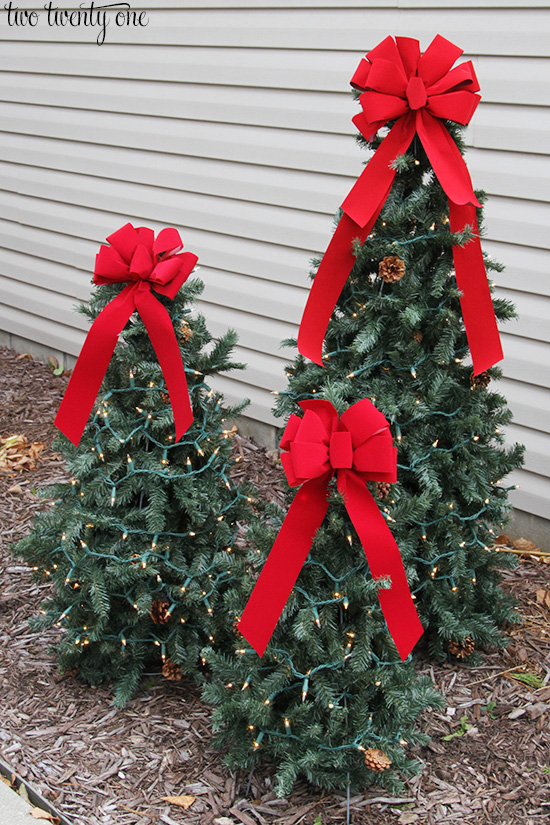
147,263
357,448
418,91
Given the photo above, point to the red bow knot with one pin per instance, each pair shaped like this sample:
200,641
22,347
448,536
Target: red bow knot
144,262
136,255
418,92
357,447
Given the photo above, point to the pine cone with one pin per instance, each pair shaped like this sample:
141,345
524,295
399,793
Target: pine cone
377,760
481,380
391,269
171,671
417,335
185,331
159,611
461,650
236,630
165,397
383,489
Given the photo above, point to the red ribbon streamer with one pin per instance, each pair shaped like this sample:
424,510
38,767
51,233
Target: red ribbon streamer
358,448
148,263
418,92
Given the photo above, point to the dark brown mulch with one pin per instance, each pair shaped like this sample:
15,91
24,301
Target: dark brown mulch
100,765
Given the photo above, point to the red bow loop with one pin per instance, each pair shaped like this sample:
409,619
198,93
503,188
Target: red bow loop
357,447
134,257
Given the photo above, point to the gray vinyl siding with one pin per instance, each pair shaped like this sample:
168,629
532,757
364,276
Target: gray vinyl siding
232,121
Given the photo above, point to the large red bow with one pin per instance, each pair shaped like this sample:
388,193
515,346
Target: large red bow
135,255
358,448
419,92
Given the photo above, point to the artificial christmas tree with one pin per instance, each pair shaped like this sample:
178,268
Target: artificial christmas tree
330,683
139,545
416,298
330,690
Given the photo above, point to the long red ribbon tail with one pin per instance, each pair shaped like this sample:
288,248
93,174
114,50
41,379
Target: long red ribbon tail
361,209
471,278
329,282
284,563
384,561
161,332
92,364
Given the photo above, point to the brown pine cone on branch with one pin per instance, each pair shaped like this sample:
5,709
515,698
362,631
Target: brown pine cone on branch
171,671
377,760
160,611
481,380
461,650
418,336
382,489
391,269
185,332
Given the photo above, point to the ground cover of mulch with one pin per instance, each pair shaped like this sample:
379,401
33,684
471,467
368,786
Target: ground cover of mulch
99,765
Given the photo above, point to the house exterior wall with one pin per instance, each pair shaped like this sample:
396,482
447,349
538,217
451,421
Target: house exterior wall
232,122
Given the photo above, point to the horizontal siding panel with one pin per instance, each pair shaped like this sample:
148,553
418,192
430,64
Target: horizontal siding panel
302,104
526,360
39,328
271,147
514,80
261,184
505,173
277,263
280,109
254,295
526,269
516,31
534,314
40,301
235,390
533,495
537,447
278,68
512,128
61,279
255,332
517,221
288,227
259,367
530,404
253,72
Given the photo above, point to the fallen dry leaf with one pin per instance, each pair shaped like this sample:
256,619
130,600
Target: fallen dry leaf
502,539
15,489
523,544
183,801
24,355
38,813
17,454
543,597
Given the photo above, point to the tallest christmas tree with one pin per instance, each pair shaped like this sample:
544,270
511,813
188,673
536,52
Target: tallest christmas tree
329,698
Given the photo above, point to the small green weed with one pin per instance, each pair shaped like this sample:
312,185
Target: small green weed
489,709
464,728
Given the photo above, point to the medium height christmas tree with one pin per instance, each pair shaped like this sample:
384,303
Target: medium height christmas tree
415,305
139,544
329,699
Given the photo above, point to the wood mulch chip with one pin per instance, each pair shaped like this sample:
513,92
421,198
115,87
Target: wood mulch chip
99,765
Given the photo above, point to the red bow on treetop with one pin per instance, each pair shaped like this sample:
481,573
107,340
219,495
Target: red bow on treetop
418,91
148,263
356,448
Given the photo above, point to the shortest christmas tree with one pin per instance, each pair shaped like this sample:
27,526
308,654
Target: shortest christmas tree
139,543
